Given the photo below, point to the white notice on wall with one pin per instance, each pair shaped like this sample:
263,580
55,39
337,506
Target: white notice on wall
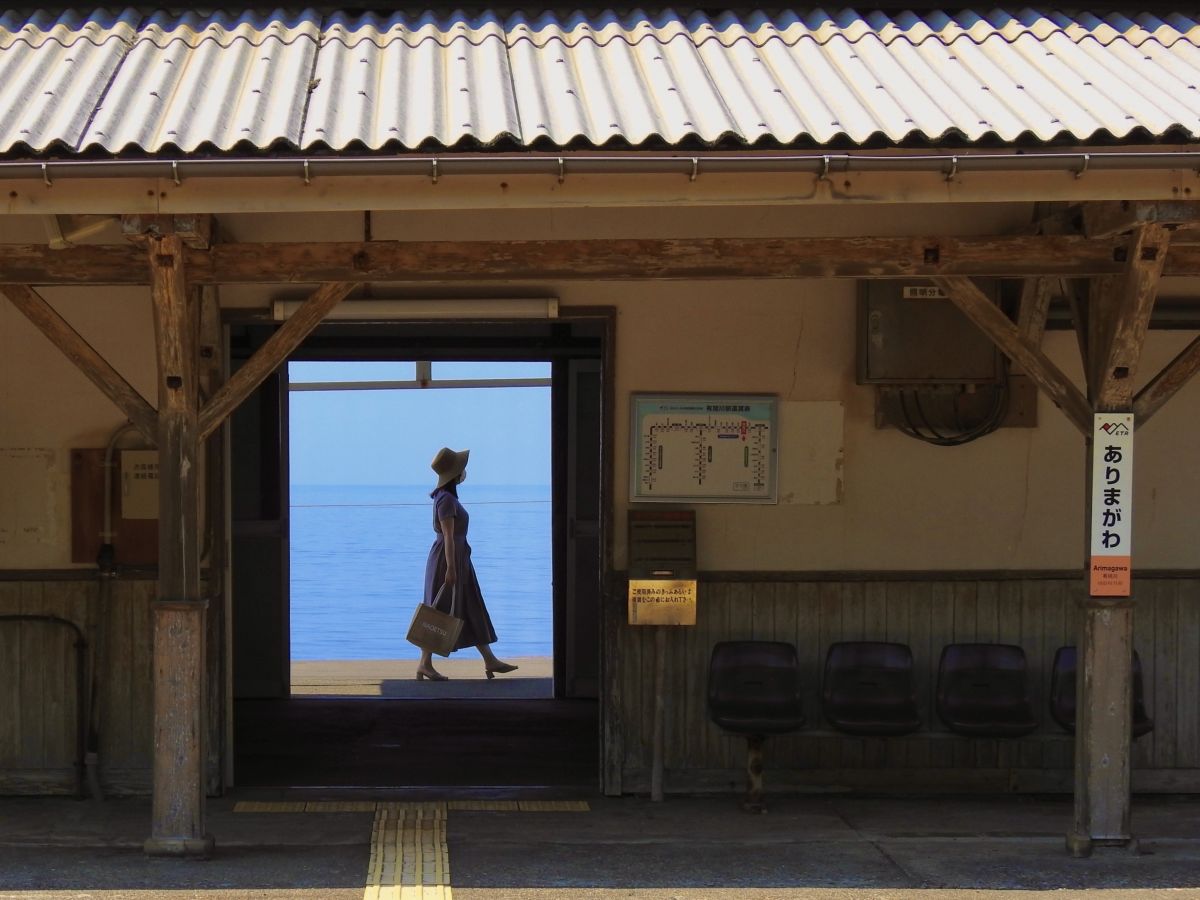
811,450
1112,505
27,501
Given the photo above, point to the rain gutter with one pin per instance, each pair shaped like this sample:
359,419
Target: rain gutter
694,166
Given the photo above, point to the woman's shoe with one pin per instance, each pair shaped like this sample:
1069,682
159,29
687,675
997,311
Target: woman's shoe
422,674
500,667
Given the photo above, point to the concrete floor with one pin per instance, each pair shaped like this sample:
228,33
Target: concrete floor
808,847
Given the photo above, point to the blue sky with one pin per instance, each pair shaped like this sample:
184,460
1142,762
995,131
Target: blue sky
389,437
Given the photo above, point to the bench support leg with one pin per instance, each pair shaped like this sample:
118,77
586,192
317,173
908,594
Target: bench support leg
754,774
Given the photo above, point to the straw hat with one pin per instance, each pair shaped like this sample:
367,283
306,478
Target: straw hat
449,464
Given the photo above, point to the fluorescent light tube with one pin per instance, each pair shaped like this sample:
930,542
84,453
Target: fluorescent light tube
389,310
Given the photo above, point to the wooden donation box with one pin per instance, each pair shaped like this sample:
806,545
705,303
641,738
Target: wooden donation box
662,567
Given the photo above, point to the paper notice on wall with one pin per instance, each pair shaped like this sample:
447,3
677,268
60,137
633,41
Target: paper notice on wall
811,450
27,501
1112,505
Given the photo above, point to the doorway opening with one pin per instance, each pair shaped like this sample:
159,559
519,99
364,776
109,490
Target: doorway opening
396,738
361,435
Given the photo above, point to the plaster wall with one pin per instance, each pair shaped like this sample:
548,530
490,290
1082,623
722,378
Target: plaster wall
1013,500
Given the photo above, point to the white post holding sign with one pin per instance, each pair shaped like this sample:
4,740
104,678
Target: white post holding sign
1112,505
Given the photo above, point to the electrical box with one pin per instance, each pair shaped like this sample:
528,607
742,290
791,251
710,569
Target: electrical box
909,332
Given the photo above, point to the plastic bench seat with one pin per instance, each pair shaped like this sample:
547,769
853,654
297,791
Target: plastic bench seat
868,688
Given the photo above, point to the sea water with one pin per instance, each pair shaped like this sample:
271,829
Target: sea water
358,566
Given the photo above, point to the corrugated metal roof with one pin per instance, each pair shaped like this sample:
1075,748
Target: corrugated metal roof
302,80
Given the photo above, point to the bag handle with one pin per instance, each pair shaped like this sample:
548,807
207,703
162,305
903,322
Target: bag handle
454,595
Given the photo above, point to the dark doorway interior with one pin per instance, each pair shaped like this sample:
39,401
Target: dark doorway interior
412,744
547,746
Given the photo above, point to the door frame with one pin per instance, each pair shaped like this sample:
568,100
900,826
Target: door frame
603,322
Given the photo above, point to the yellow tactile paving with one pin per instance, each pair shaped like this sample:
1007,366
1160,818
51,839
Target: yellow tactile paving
409,856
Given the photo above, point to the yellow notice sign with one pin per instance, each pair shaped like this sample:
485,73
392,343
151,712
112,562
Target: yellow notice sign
656,602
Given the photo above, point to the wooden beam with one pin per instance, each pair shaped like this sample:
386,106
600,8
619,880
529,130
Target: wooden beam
1105,219
85,357
1147,254
1036,294
1166,383
196,229
177,810
1018,256
988,317
270,355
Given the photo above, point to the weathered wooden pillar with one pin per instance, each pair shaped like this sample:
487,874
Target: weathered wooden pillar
178,827
1103,690
1118,316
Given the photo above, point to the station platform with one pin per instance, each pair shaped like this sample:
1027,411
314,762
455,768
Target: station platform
279,844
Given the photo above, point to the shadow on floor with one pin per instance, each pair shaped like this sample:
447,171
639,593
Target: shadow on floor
353,742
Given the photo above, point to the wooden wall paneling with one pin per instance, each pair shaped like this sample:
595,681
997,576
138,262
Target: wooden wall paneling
1032,599
614,724
806,600
832,607
736,624
67,600
1166,685
116,698
679,735
787,748
920,602
691,702
854,628
875,628
1010,630
1142,750
631,681
987,630
941,633
706,637
1187,656
33,729
965,631
10,676
1058,628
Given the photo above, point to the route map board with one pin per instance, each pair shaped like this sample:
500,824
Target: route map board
716,448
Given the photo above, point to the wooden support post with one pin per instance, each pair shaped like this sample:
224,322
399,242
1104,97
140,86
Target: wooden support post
177,817
211,373
1118,316
1103,738
658,764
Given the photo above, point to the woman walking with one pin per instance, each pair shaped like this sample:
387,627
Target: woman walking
449,565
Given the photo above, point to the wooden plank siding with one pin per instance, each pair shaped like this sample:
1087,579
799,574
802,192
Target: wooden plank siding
38,705
1038,614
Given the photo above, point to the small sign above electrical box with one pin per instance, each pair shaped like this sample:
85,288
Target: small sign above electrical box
139,484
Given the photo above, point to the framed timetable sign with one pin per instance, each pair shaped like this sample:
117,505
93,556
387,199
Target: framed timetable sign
708,448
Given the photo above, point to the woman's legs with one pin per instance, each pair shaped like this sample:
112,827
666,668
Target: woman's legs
491,663
425,668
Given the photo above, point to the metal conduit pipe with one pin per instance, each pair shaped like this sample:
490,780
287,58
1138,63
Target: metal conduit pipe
693,165
81,711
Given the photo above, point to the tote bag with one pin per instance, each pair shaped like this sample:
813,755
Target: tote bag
431,629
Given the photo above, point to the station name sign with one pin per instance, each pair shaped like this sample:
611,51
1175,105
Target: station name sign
1110,566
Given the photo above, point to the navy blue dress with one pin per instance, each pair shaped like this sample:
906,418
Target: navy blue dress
477,624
